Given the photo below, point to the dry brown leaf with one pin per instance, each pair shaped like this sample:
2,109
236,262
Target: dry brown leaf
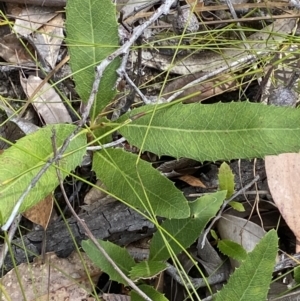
95,194
94,206
12,50
191,180
14,9
17,126
283,174
32,18
46,101
49,38
57,279
41,212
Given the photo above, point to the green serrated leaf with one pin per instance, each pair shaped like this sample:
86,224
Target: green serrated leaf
147,269
121,176
92,35
187,230
216,131
232,249
237,206
150,292
252,279
119,255
22,161
226,179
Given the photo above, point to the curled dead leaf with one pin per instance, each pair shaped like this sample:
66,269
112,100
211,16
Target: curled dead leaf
40,213
12,50
191,180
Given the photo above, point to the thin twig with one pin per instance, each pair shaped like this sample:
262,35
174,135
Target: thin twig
196,282
136,89
121,69
246,59
138,66
11,234
226,202
107,145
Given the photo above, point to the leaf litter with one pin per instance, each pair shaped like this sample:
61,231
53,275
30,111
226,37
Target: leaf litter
57,279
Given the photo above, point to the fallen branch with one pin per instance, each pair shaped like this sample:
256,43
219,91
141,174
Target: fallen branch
114,222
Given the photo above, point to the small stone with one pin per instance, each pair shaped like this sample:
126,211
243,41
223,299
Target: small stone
283,97
185,19
295,3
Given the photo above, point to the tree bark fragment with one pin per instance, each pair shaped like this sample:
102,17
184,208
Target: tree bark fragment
114,222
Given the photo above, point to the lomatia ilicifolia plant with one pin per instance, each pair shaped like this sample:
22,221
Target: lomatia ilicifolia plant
221,131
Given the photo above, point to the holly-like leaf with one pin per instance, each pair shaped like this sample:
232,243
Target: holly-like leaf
251,280
119,255
232,249
139,185
147,269
221,131
92,35
187,230
22,161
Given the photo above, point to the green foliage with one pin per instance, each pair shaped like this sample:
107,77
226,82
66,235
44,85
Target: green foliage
237,206
147,269
151,293
219,131
202,132
120,256
226,179
92,35
232,249
214,234
139,185
183,232
22,161
297,274
100,132
252,279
